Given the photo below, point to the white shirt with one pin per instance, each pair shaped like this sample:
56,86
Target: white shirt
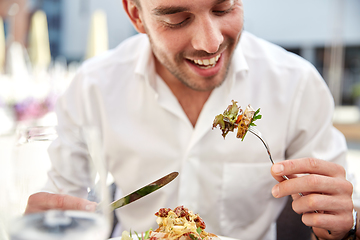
146,135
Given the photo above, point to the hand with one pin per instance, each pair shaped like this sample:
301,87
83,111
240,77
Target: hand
325,190
43,201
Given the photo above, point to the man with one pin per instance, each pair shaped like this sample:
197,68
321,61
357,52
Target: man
154,99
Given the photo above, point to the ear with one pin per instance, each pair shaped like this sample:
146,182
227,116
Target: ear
134,15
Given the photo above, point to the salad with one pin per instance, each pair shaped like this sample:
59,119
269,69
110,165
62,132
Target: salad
177,224
234,117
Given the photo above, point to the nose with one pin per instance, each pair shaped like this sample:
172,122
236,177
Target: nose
207,35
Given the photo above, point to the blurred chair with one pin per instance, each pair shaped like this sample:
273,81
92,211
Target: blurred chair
2,46
98,36
39,46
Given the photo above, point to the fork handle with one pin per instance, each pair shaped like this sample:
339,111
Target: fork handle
301,195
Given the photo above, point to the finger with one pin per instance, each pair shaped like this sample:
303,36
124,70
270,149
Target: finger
307,165
36,203
313,184
338,225
67,202
46,201
284,177
320,202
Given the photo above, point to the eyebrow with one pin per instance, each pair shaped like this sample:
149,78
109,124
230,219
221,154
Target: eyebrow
159,11
163,10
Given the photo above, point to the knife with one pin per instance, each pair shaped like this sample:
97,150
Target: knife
143,191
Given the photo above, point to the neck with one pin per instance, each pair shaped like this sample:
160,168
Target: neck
191,101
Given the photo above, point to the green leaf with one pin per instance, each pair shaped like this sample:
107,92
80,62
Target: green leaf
147,233
192,236
257,117
137,235
244,136
199,230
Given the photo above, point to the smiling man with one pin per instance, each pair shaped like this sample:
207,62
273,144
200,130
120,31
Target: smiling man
153,99
192,43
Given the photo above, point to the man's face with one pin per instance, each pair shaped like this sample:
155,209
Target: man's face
193,40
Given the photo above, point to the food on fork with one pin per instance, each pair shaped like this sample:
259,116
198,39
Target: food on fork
180,224
234,117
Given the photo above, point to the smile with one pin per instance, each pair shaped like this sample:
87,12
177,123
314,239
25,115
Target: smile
207,63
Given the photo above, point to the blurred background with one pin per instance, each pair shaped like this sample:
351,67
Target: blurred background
42,43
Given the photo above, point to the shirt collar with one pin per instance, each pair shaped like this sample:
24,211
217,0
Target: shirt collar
239,60
145,66
238,68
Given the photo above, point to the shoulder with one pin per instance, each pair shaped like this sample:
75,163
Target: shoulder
125,53
272,65
115,66
257,50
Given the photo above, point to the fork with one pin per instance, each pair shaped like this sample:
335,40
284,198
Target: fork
257,133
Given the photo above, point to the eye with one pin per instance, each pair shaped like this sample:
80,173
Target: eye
223,8
177,25
176,20
220,13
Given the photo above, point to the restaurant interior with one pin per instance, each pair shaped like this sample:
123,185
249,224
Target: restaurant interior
35,70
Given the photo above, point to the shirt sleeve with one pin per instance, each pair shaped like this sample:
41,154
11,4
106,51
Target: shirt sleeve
312,133
69,157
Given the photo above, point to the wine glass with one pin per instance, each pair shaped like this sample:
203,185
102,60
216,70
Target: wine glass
29,164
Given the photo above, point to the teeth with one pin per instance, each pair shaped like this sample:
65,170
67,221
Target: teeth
208,62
